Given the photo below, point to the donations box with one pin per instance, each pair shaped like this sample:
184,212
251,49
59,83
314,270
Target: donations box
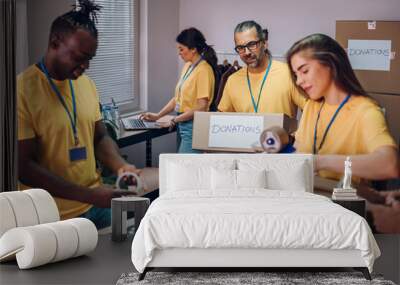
373,48
234,132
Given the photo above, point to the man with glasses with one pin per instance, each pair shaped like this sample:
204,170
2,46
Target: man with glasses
264,86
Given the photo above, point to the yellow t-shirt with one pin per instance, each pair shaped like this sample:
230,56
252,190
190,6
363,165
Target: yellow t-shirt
279,94
41,115
199,84
359,128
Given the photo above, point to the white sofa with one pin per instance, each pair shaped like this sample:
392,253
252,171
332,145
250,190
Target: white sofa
247,210
31,231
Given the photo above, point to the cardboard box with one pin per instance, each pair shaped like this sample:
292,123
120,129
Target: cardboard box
391,106
226,131
376,32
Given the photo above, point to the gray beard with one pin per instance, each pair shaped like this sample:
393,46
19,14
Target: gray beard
256,64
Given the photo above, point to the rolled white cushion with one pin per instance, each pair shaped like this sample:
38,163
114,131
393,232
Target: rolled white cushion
7,217
87,235
23,208
33,246
41,244
45,205
67,240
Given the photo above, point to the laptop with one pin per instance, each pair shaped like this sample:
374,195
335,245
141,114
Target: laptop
134,123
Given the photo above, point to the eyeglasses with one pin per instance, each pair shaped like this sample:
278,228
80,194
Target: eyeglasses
251,46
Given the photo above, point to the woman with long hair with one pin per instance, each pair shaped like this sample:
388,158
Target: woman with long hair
340,120
195,88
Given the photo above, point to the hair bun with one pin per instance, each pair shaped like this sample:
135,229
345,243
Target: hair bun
88,8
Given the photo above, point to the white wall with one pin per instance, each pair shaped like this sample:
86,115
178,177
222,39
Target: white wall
41,14
22,58
286,20
162,70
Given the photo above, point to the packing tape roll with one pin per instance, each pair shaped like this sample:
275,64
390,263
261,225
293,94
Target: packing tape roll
23,207
274,139
7,217
137,189
45,205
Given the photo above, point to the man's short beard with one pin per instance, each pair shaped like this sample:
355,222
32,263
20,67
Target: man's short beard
258,61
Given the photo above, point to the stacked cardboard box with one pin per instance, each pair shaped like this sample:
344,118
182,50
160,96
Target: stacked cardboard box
382,85
391,106
203,129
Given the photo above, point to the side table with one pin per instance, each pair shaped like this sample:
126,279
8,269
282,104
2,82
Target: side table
119,208
357,205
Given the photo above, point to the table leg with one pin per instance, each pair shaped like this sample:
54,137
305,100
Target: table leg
148,153
117,218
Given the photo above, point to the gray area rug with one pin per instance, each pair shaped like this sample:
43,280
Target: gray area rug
232,278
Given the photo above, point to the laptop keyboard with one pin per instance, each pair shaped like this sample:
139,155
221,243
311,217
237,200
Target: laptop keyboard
136,124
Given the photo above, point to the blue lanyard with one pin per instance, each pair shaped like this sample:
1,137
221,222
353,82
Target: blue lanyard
315,150
55,89
187,74
255,106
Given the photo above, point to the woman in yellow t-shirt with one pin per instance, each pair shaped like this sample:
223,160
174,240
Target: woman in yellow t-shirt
195,88
340,120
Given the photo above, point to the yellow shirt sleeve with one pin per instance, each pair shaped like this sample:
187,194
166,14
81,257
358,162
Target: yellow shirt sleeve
375,132
25,121
225,105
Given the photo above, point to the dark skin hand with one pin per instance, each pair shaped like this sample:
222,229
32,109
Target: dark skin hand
389,198
386,219
384,207
34,175
372,196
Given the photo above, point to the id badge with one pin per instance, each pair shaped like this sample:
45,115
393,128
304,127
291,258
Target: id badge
177,107
78,153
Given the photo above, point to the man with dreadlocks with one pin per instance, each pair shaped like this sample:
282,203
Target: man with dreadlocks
60,132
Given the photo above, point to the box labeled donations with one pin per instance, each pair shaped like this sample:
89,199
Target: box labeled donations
235,132
373,48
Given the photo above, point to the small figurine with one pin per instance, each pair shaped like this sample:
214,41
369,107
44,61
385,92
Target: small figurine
347,174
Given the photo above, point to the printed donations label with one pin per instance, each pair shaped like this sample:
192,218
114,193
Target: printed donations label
229,131
369,54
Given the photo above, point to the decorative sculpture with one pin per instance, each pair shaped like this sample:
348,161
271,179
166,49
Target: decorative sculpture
347,174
